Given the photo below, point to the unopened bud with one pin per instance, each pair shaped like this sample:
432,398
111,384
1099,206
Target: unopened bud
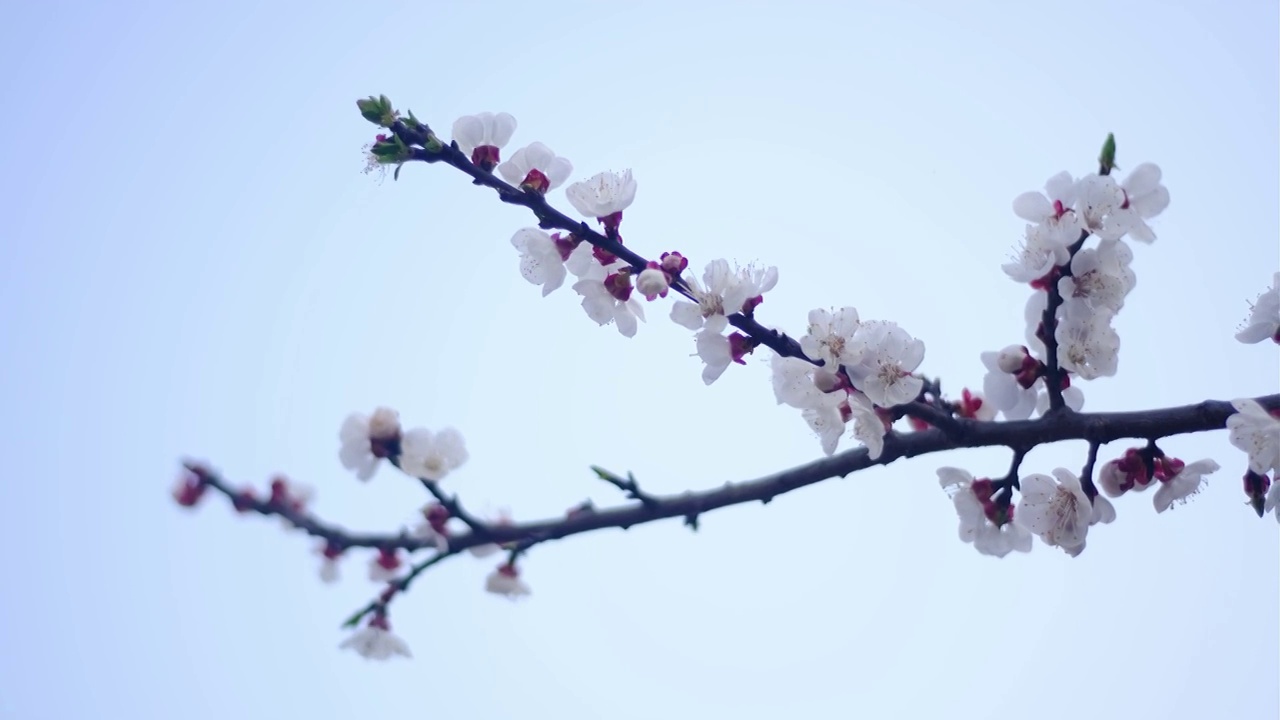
1113,480
384,424
653,282
1010,359
674,263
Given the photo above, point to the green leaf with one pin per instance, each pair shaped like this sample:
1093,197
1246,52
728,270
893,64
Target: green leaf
387,150
1107,160
354,620
377,110
371,109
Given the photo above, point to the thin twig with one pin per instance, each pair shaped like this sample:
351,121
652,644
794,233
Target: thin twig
627,485
1086,475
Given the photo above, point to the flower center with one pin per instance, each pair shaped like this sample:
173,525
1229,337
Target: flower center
1064,507
711,304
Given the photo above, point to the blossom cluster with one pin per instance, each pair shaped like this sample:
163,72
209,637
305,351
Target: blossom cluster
852,371
1089,283
866,368
843,371
366,440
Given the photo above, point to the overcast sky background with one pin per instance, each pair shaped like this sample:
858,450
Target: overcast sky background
193,265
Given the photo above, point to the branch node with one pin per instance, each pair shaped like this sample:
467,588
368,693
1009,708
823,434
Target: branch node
627,485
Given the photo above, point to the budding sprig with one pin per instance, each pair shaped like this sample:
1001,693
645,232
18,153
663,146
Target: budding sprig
423,145
608,284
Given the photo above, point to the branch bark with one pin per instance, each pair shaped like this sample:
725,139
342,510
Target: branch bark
1021,436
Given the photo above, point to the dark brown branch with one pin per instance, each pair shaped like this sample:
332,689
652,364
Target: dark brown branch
1053,372
413,133
245,501
451,504
1097,428
551,218
1086,475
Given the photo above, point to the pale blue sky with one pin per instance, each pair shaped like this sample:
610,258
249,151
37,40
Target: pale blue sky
193,265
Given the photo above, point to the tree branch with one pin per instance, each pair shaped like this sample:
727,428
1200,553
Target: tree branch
1053,373
551,218
1021,436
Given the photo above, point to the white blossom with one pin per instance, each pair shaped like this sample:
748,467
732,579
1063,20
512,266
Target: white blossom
329,570
1036,256
483,129
1087,344
602,306
1097,197
505,581
431,456
1052,209
826,418
1012,359
1056,510
715,351
1002,390
1180,487
793,382
1103,511
603,194
1100,277
383,568
1264,316
1256,432
1143,197
868,428
376,642
826,406
976,527
721,293
886,356
540,259
540,158
830,337
1072,397
1006,396
581,260
358,435
757,280
483,551
329,566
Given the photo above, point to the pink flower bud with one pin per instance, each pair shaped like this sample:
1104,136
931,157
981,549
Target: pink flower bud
1010,359
653,282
